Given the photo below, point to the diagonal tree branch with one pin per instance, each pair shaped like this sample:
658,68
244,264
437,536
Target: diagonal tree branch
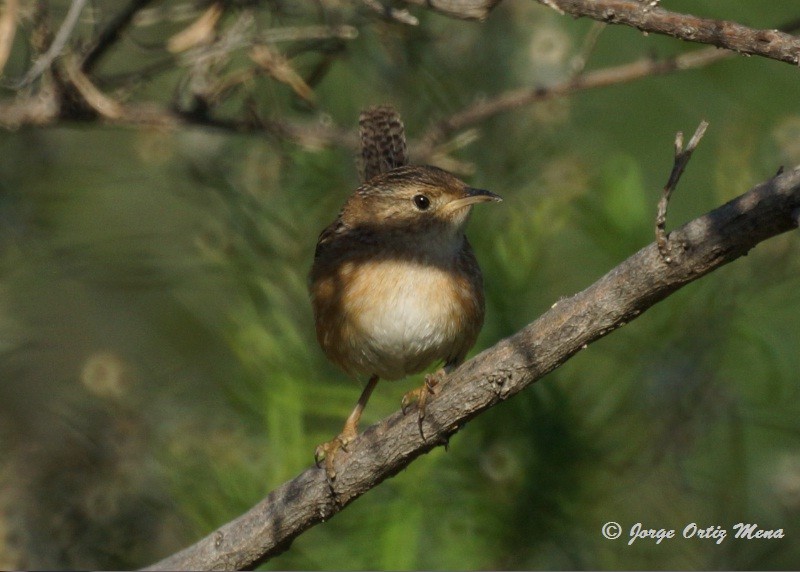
648,17
643,16
699,247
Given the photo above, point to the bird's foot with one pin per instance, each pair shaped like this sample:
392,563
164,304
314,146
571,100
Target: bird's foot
421,394
327,452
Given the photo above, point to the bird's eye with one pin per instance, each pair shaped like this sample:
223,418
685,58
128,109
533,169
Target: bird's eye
421,202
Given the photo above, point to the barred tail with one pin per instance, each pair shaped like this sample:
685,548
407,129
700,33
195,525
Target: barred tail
383,141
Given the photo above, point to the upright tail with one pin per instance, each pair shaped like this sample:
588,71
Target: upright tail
383,141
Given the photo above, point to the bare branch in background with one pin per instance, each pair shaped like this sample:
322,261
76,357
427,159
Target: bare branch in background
19,113
482,110
56,48
206,87
772,44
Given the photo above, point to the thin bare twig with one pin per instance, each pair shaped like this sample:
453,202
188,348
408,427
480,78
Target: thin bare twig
56,48
521,97
682,157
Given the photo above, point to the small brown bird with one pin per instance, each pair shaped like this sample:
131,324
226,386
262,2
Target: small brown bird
395,285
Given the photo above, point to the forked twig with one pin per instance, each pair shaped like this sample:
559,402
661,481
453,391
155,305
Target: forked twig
682,157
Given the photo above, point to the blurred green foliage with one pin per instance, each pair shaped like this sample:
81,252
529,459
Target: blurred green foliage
159,372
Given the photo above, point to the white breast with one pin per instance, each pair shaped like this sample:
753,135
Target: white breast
404,317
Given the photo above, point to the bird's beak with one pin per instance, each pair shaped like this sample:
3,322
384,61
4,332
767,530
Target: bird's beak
472,196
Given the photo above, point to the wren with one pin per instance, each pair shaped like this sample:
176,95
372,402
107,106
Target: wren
395,285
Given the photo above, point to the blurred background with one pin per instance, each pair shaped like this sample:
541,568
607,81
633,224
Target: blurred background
158,367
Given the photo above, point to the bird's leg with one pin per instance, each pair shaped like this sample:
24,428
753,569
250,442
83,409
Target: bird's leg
327,451
420,395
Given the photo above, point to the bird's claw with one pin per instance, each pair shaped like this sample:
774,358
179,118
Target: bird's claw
421,394
327,452
409,398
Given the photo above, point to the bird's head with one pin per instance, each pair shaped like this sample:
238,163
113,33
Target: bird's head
417,200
